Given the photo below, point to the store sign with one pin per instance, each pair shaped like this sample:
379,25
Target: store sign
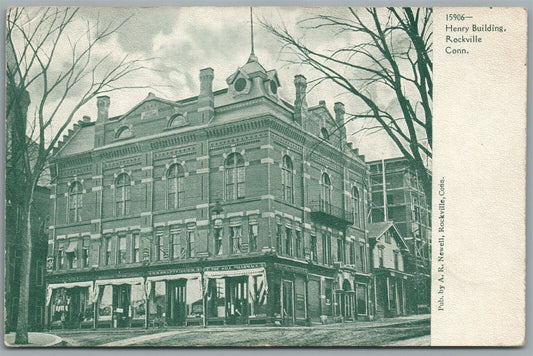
290,269
236,267
175,271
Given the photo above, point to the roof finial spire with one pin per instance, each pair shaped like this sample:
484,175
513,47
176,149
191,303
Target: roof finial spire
252,58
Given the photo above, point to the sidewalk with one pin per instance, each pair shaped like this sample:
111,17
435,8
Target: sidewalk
422,341
34,340
360,325
383,322
143,338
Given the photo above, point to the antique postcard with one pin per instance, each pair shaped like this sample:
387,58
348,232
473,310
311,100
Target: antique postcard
266,176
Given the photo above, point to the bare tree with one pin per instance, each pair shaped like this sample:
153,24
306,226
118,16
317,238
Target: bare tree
390,59
34,38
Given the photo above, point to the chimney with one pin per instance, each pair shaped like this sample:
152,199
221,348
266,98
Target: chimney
206,81
300,102
103,102
206,101
339,117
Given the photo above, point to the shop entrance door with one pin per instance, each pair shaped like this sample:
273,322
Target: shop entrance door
288,303
347,300
237,300
121,303
74,310
177,302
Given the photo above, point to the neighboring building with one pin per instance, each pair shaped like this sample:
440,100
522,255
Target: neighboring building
18,103
408,208
387,258
13,253
230,207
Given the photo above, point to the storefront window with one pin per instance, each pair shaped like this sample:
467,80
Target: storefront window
105,303
59,305
138,305
258,295
195,306
71,306
216,298
85,311
157,303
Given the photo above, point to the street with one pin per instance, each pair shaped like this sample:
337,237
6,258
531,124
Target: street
406,331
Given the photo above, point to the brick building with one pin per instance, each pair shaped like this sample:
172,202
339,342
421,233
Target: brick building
230,207
408,208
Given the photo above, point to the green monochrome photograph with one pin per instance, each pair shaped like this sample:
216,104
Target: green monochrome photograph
218,176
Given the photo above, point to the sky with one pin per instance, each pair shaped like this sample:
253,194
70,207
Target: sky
181,41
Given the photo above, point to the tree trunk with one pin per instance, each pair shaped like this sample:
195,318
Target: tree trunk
21,337
425,179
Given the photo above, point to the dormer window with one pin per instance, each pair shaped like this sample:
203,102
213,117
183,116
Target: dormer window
324,134
240,84
273,87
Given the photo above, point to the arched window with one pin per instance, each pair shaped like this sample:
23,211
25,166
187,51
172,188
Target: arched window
234,176
177,120
324,133
175,189
326,192
287,180
75,199
356,207
122,194
123,132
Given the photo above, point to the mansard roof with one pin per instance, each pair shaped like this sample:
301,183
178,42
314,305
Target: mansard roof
251,69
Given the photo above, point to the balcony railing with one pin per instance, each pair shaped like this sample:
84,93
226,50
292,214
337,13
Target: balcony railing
327,213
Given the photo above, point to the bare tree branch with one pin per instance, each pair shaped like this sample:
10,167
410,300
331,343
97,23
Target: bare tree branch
392,57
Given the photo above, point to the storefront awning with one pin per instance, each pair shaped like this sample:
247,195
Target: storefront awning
119,281
173,277
52,286
234,273
71,285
